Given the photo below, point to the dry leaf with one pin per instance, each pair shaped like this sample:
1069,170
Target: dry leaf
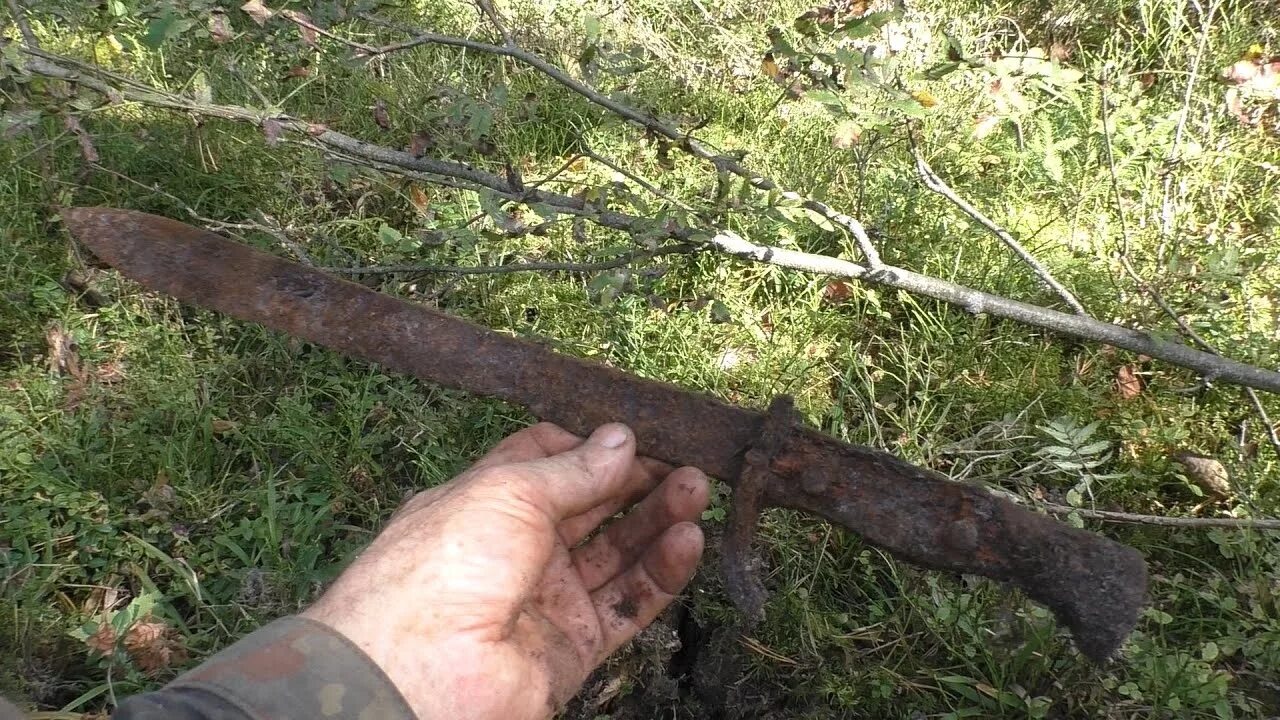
419,198
380,115
837,291
769,66
103,641
271,130
306,26
64,354
256,10
1206,472
1128,386
925,98
298,71
220,27
87,150
222,427
1147,80
420,144
153,645
1059,52
847,134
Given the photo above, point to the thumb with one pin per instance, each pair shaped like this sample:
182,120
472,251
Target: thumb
577,480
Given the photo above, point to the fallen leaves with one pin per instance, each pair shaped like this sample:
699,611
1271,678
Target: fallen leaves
1128,386
380,115
306,26
220,27
259,12
1253,95
151,644
63,353
1207,473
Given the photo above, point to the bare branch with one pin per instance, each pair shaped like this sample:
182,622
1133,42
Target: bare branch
1151,291
24,28
486,7
273,230
1163,520
1167,210
931,180
620,261
682,140
468,177
301,20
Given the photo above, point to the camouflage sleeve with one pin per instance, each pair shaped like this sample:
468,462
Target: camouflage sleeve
292,668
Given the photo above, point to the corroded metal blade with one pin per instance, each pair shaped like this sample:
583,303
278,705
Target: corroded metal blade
1095,585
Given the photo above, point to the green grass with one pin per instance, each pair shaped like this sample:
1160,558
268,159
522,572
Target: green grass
230,471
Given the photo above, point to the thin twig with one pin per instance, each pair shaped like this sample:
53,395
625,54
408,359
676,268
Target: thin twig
620,261
462,175
1183,326
633,177
682,140
932,181
486,7
1167,209
24,27
274,231
1162,520
299,19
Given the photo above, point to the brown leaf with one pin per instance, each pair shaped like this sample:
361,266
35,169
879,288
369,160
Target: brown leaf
222,427
769,66
64,353
1206,472
1128,386
256,10
87,149
298,71
419,198
837,291
1147,80
220,27
153,645
271,130
380,115
420,143
103,641
306,26
1059,52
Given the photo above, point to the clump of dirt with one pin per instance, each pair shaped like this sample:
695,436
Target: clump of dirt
680,667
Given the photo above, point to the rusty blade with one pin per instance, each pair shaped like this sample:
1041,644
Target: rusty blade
1095,585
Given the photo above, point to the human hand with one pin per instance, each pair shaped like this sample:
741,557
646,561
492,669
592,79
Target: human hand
480,600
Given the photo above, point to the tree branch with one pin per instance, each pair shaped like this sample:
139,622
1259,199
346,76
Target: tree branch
681,139
727,242
1164,521
620,261
1154,294
24,28
931,180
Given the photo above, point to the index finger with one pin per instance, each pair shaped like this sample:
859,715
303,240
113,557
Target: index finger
532,443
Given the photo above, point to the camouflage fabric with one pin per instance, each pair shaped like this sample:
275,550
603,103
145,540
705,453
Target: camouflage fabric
292,668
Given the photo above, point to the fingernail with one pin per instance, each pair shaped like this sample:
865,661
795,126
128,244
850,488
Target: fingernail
611,436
